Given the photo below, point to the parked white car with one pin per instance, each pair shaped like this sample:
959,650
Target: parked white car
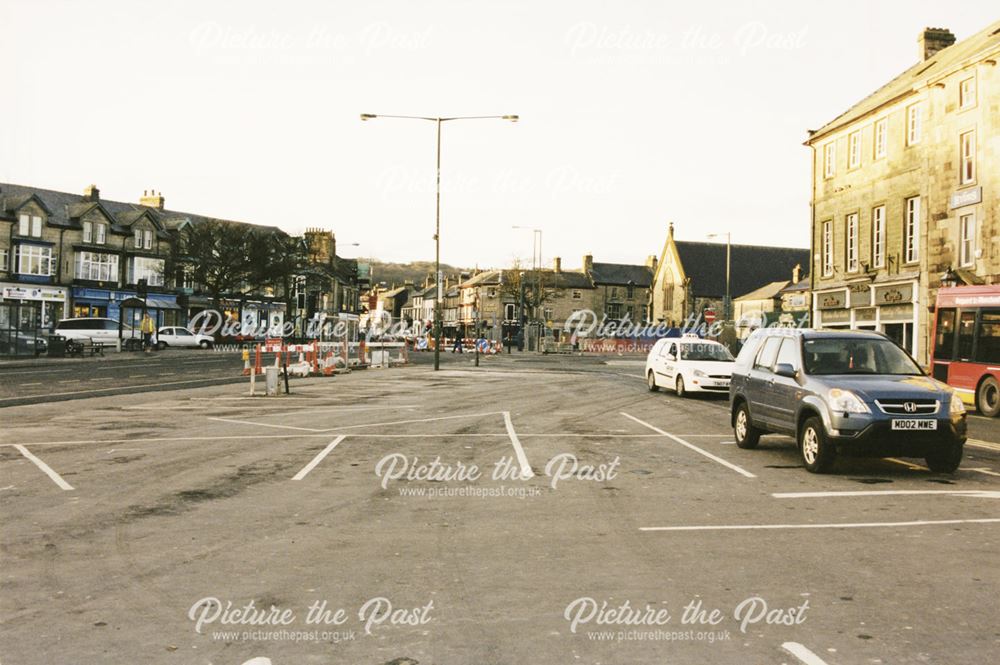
689,364
182,337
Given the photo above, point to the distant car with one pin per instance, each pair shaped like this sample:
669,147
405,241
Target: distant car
96,329
849,392
689,364
22,344
182,337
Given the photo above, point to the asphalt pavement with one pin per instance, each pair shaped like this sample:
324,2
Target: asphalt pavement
531,510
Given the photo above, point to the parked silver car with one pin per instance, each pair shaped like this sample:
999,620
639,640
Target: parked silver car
843,392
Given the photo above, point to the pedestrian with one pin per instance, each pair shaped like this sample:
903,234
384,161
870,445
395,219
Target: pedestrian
147,327
457,347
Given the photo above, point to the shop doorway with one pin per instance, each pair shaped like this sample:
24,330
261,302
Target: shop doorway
900,333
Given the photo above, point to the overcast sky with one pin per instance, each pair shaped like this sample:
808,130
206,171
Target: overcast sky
634,113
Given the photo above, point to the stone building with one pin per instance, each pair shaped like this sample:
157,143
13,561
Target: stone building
64,255
905,187
621,290
690,277
333,286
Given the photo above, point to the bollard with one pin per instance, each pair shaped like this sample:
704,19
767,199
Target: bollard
271,381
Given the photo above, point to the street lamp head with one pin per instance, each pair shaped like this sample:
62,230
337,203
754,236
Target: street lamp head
511,118
950,279
367,116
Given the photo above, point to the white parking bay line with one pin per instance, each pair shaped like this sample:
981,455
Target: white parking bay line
715,458
56,478
802,653
988,445
250,422
845,525
983,494
319,458
522,459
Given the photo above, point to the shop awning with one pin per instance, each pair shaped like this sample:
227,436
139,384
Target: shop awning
152,302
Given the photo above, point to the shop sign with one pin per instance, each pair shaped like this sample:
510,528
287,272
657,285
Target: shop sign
896,294
836,316
965,197
896,312
832,300
33,293
859,295
865,314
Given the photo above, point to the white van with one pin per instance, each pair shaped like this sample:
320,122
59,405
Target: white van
95,329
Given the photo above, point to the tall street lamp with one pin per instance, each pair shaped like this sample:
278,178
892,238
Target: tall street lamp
437,221
536,264
729,244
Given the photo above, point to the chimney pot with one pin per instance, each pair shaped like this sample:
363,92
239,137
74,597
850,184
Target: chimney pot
152,199
932,40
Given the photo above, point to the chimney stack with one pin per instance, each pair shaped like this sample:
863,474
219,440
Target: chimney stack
91,193
588,263
557,264
152,199
932,40
651,262
797,273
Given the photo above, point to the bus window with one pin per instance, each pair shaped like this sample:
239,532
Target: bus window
944,340
988,344
966,329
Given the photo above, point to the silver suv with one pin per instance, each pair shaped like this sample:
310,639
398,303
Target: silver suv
845,392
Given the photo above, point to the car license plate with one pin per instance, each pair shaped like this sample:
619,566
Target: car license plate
914,424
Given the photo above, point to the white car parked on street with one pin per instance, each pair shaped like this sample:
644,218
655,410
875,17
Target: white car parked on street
182,337
689,364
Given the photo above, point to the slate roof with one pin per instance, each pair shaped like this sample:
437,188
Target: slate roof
801,285
64,207
766,292
913,78
621,274
753,266
485,277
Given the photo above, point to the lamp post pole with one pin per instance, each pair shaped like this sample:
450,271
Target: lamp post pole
437,212
729,245
536,267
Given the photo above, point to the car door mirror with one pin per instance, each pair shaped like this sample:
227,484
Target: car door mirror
671,356
786,370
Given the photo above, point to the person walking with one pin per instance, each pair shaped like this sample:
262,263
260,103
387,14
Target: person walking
147,327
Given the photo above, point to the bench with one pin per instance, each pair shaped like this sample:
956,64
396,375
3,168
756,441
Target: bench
84,347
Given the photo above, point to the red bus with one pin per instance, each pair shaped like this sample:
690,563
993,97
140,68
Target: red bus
966,353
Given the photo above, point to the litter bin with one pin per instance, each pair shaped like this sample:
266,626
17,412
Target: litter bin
57,346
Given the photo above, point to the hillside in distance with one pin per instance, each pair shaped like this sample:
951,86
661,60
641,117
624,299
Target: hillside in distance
396,274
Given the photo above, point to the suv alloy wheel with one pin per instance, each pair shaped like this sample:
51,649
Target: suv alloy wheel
818,454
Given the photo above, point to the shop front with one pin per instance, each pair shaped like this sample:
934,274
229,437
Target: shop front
90,302
48,302
887,307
